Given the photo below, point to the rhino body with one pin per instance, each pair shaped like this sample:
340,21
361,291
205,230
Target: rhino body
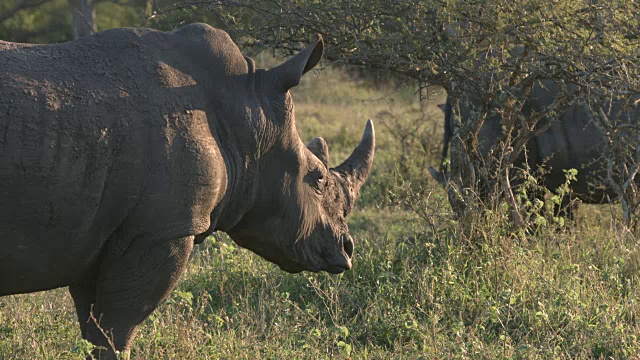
120,150
572,141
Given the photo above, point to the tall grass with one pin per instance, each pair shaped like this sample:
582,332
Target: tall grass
422,286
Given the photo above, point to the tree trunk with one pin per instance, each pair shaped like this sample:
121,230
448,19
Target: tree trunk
83,22
148,8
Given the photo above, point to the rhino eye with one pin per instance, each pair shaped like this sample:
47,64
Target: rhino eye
317,180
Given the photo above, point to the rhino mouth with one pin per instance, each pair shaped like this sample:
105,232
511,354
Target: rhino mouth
342,260
339,268
338,259
336,262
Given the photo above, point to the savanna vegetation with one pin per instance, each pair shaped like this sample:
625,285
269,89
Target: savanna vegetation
424,285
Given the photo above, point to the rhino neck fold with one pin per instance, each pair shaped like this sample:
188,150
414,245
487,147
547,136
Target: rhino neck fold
249,133
239,197
241,163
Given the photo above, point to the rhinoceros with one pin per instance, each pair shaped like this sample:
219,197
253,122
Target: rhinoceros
121,150
572,141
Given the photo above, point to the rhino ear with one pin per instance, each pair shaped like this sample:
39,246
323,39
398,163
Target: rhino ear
320,149
289,73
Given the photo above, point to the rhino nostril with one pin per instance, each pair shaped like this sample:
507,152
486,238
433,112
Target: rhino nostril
347,245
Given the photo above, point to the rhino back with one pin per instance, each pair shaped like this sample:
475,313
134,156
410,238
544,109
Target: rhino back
573,141
100,136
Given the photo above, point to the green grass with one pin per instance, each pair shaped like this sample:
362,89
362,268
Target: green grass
420,288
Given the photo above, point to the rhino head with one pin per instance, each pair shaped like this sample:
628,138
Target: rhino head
299,204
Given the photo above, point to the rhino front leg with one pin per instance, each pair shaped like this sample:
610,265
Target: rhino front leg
129,287
84,296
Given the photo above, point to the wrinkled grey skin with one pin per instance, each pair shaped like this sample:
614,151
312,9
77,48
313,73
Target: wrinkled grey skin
572,141
120,150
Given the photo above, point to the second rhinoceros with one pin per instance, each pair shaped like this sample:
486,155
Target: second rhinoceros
572,140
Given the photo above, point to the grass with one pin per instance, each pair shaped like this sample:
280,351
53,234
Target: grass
420,288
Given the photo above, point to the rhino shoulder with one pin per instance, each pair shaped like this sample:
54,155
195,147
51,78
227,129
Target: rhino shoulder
211,47
202,30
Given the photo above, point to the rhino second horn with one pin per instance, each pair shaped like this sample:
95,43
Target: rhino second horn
358,164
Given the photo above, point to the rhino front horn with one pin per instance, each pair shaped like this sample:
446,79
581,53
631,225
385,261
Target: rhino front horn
358,165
